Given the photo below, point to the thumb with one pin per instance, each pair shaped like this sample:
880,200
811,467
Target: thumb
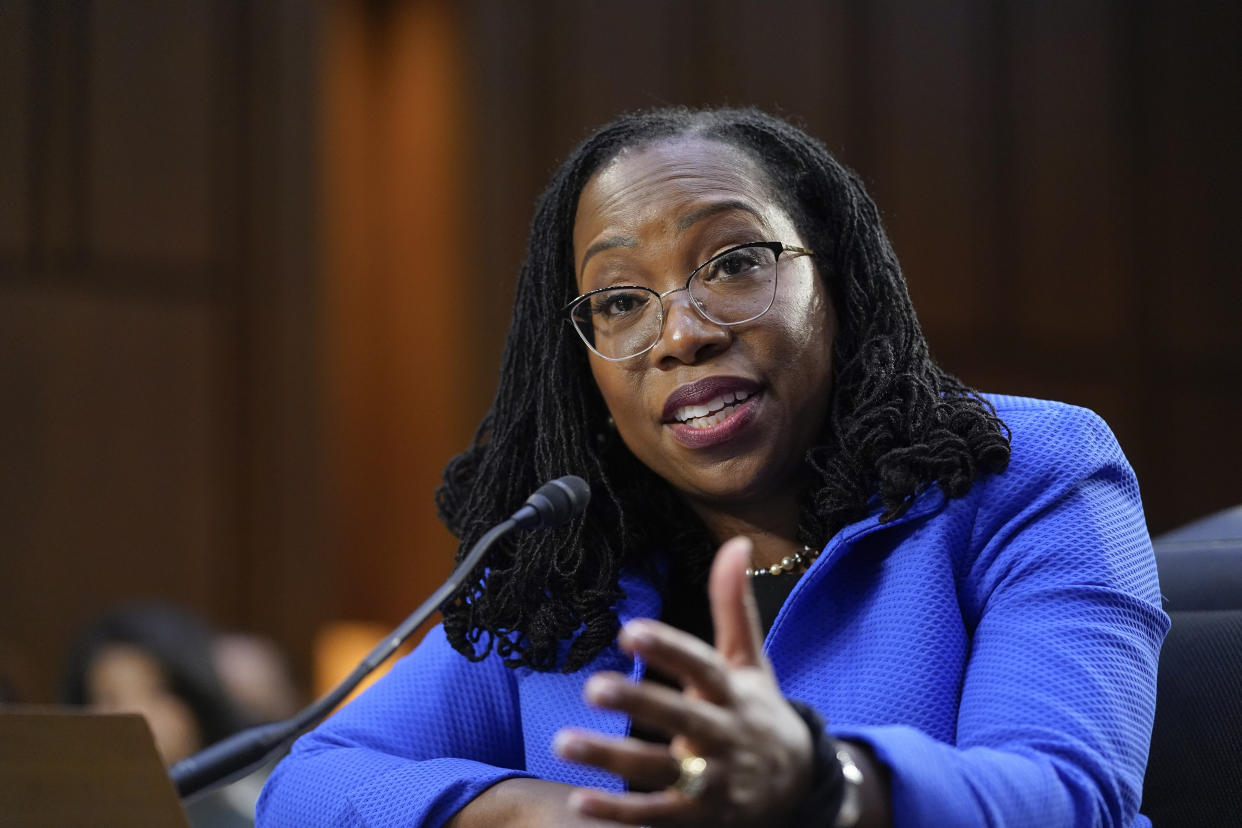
734,614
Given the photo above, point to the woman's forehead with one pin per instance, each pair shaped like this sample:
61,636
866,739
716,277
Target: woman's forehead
671,182
710,156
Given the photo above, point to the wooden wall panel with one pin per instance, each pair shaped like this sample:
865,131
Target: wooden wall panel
14,138
157,418
1186,343
148,131
266,63
109,410
938,169
398,309
632,62
1068,174
796,58
1198,466
508,162
1192,57
57,39
109,492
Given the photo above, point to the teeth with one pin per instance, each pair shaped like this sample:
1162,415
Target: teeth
711,413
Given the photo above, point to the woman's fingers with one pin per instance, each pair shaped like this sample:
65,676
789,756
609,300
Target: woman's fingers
644,764
723,714
730,712
679,654
739,636
671,712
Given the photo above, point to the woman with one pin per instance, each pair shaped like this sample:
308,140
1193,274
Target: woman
157,660
712,328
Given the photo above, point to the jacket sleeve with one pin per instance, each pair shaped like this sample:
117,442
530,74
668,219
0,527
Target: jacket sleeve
1058,586
420,743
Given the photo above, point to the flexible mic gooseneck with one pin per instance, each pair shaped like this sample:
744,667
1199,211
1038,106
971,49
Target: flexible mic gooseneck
554,503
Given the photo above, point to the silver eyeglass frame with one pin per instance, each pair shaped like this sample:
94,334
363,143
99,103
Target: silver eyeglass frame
777,249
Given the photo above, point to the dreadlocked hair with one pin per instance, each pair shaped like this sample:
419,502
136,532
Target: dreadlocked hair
896,423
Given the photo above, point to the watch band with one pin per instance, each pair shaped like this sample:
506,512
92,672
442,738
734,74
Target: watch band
823,801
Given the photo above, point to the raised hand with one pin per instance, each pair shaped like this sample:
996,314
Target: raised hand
730,712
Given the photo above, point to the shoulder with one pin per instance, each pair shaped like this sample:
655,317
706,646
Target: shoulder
1068,510
1067,478
1064,463
1044,416
1052,440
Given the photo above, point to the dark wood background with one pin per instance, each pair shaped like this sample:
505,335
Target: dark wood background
256,259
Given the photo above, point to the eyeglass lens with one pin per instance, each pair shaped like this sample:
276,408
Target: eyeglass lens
737,286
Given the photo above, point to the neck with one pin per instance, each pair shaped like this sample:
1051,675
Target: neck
772,527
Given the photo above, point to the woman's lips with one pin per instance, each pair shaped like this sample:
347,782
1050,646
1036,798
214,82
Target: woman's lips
711,411
702,392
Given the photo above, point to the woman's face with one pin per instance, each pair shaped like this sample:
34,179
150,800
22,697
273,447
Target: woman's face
125,679
649,217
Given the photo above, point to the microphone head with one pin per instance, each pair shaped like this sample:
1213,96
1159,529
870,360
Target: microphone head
555,502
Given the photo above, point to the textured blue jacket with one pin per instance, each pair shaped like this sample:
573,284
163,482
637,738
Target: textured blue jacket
998,652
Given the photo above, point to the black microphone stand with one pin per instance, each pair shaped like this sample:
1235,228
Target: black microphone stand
554,503
244,752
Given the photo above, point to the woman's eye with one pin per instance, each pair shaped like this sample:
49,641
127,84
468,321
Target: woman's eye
737,263
614,304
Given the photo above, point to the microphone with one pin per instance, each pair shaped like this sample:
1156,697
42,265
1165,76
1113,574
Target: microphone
554,503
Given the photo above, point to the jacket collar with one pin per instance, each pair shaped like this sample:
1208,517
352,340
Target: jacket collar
642,598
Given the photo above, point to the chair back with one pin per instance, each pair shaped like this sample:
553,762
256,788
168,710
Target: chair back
1194,773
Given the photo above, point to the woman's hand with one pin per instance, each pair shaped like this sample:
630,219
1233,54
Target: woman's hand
730,712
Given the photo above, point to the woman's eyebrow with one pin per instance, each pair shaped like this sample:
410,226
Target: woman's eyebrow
606,244
685,222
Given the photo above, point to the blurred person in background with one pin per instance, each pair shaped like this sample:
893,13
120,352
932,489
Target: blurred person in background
256,676
158,660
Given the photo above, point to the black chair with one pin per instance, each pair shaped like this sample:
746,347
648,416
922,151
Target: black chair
1194,773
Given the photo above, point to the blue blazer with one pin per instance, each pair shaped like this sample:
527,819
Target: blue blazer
997,651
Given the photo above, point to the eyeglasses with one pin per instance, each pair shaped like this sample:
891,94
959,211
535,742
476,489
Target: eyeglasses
736,286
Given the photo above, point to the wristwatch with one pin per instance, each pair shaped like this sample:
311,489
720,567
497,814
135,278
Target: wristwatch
851,795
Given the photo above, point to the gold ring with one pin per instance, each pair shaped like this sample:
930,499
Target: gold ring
692,777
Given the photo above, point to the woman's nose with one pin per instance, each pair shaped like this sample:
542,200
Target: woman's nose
688,336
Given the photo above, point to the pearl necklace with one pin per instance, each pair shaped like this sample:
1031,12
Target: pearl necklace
798,563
